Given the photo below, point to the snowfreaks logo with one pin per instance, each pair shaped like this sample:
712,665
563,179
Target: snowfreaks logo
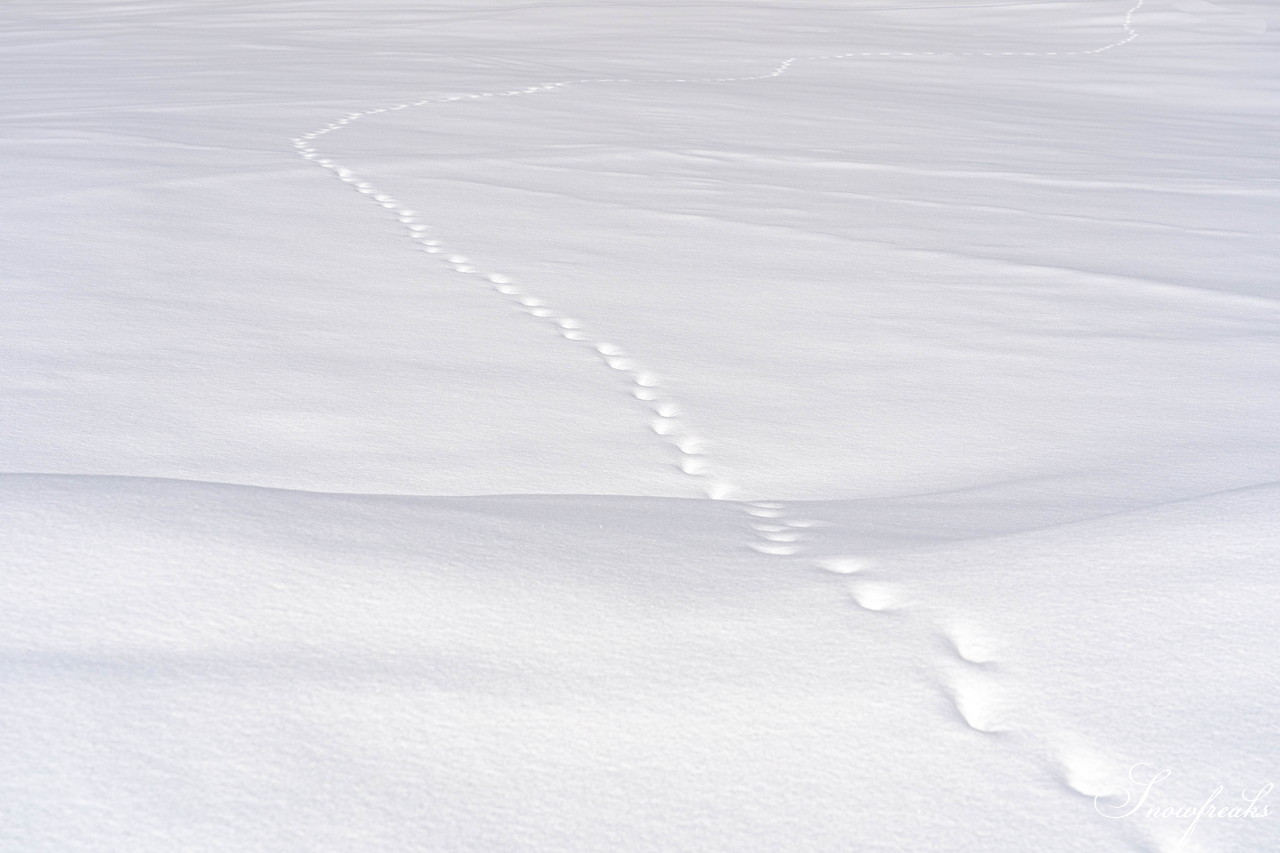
1131,801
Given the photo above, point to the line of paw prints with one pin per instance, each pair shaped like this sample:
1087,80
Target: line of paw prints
970,674
665,421
771,538
972,688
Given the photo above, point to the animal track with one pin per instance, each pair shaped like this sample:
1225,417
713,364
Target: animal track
978,700
773,548
876,596
843,565
668,425
969,643
972,687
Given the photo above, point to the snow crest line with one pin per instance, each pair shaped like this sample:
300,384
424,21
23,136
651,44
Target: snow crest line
665,414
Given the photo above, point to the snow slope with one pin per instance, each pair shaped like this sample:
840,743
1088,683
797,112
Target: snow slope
364,507
215,667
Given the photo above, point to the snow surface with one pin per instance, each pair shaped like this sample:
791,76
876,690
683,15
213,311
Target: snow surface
639,426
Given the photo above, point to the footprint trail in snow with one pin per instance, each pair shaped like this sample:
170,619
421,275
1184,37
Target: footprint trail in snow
666,416
968,669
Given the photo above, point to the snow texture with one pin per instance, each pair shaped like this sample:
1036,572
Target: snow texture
731,426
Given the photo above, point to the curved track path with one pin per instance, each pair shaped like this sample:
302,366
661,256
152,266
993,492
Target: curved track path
970,673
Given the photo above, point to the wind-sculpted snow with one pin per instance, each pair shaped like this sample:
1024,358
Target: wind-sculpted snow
740,426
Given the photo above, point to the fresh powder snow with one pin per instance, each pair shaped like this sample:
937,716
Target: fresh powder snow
640,426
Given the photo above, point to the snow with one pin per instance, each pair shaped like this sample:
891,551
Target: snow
725,426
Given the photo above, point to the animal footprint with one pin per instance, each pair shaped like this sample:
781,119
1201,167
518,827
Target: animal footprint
978,700
969,643
774,549
843,565
876,596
